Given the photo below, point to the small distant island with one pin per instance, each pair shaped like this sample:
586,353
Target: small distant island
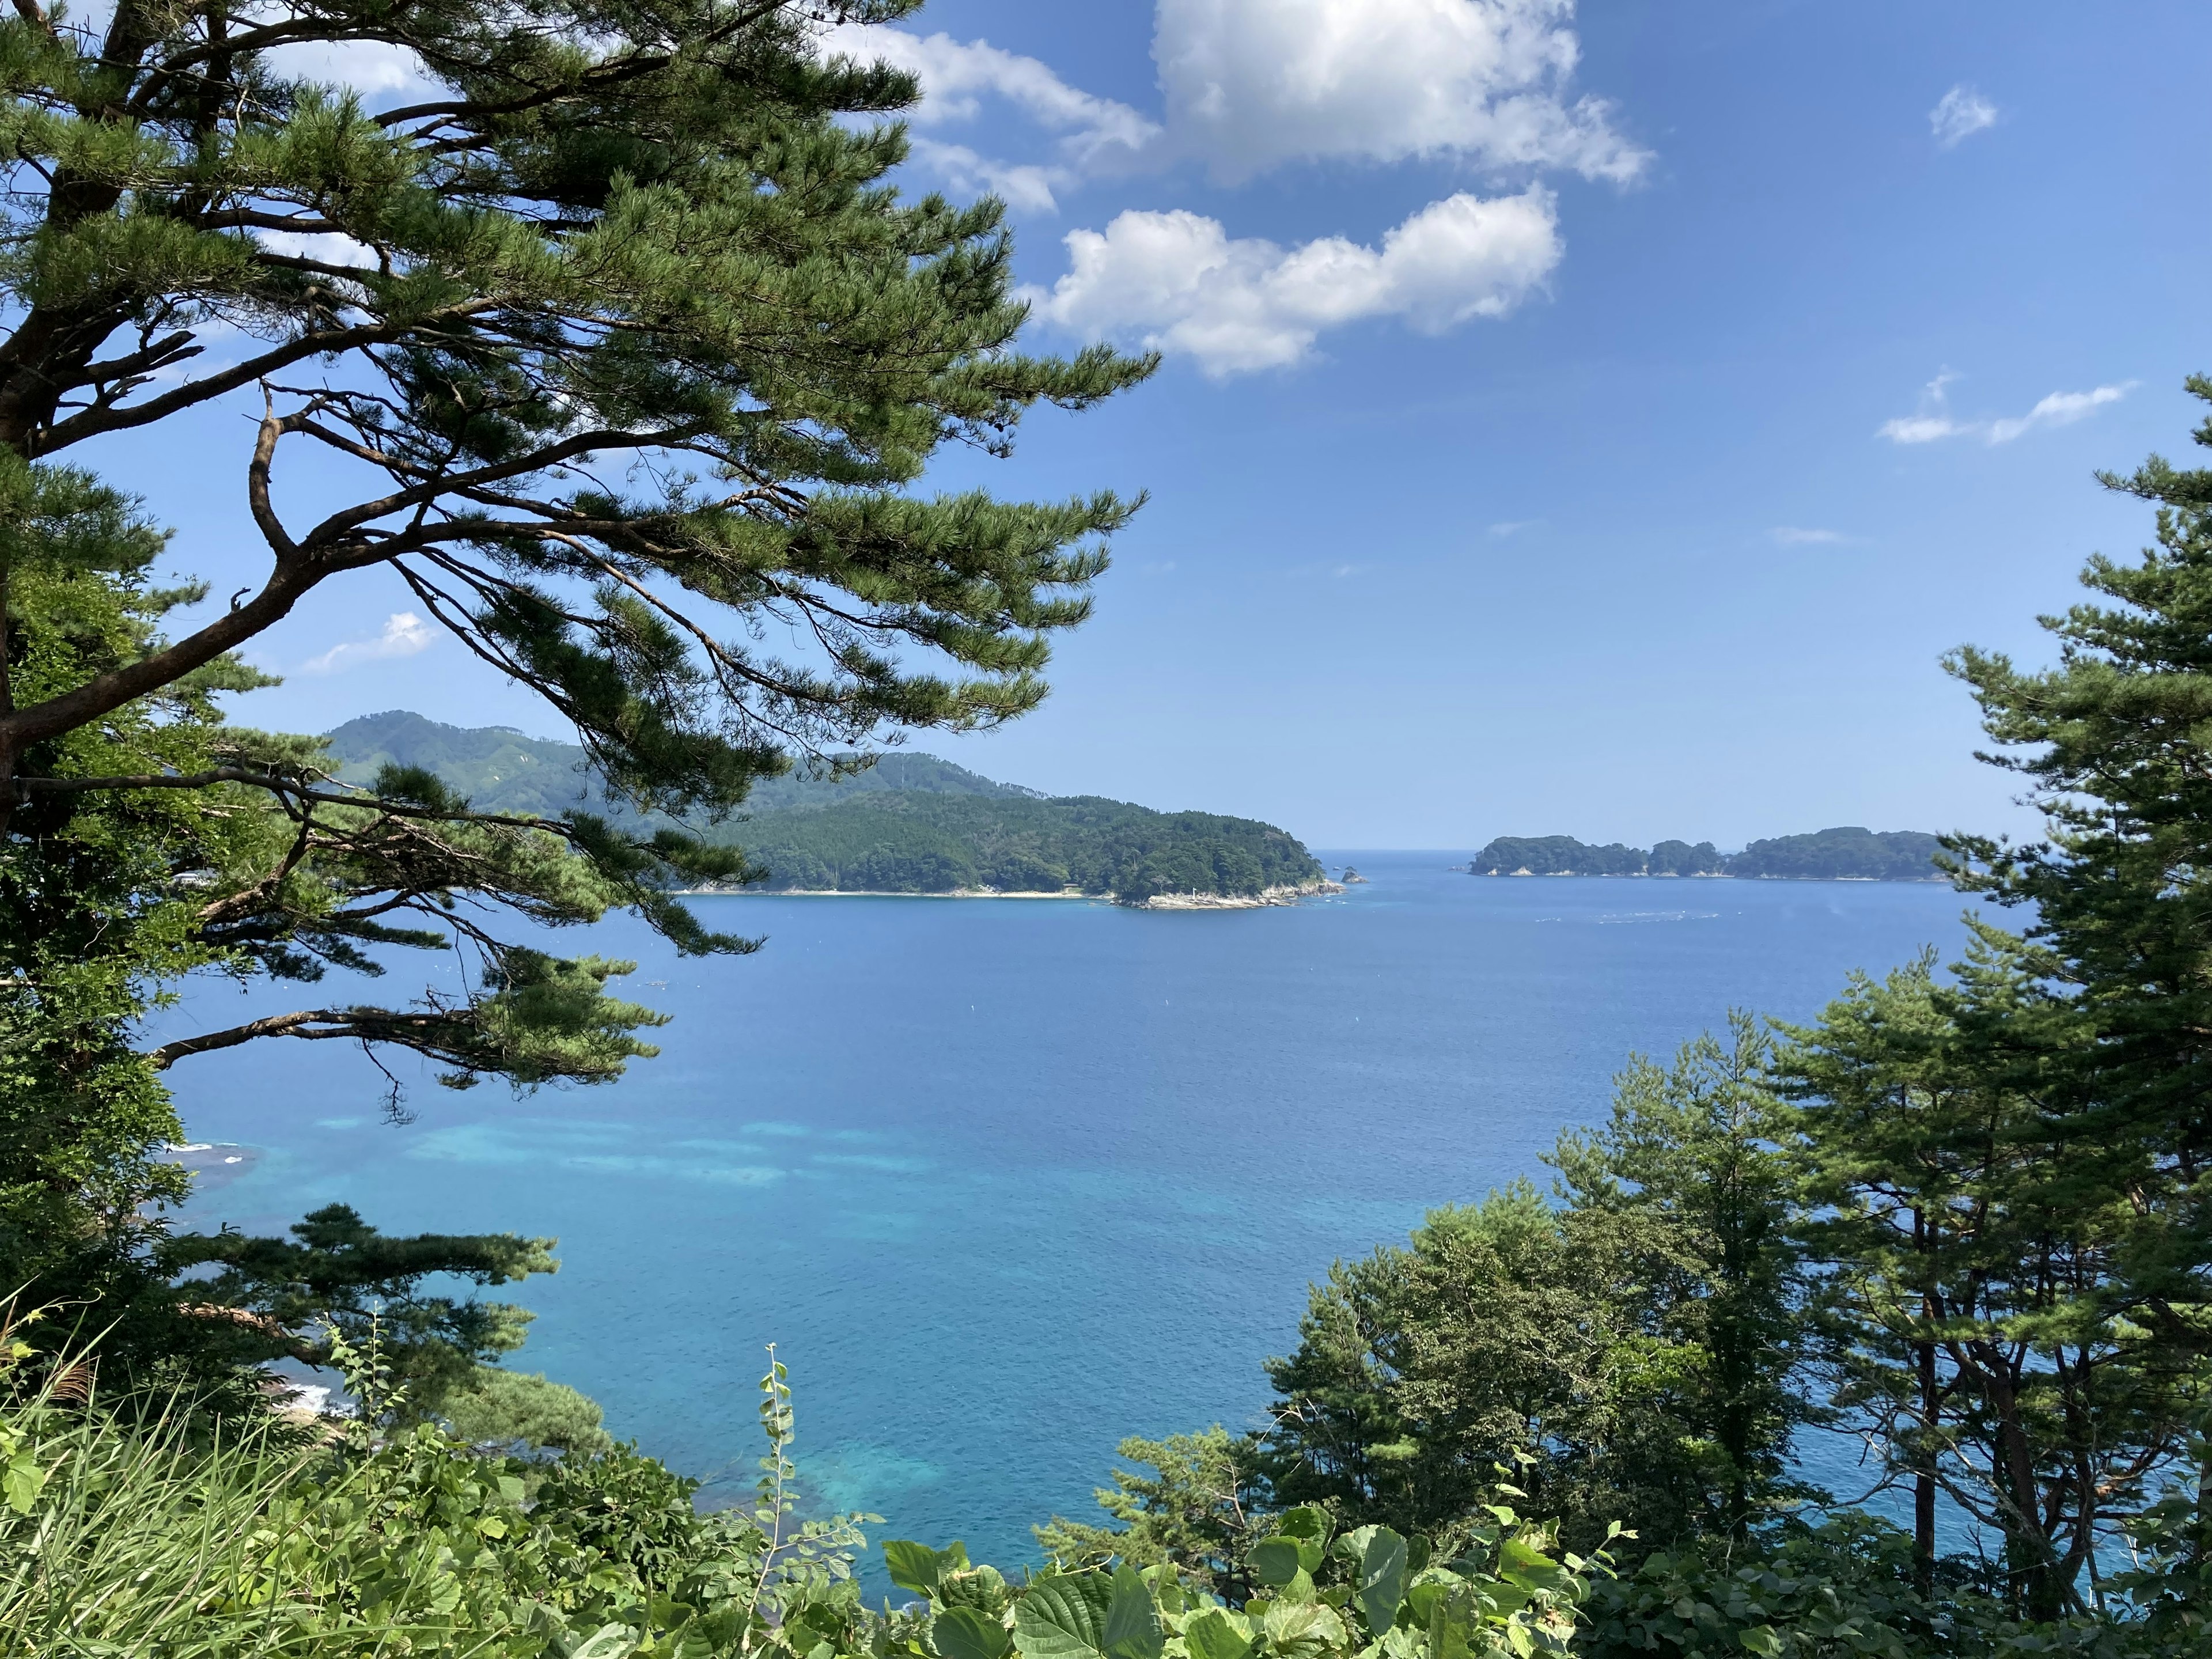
908,824
1846,853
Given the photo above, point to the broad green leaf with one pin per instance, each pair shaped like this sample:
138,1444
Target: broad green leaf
1217,1633
21,1479
1062,1615
1132,1624
1302,1630
964,1633
1276,1561
1382,1579
1423,1598
919,1568
608,1641
1526,1567
1309,1527
1353,1545
1516,1554
1451,1626
1762,1639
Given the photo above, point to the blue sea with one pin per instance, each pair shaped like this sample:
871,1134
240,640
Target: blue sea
1006,1180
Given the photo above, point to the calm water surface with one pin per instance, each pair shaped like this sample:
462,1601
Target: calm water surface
1007,1181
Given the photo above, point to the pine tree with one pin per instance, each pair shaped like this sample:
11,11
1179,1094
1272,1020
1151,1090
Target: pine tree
2116,744
624,353
1983,1328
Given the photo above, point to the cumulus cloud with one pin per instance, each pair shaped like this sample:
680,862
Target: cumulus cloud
1178,281
1251,85
1959,114
404,634
377,70
1790,535
1934,420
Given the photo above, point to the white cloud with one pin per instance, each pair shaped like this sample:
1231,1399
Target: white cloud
1921,429
404,634
1514,526
1959,114
1251,85
373,69
2059,409
956,75
1790,535
1934,420
1177,282
1023,185
326,246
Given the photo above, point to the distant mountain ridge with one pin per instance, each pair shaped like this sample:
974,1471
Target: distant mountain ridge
501,770
910,824
1847,853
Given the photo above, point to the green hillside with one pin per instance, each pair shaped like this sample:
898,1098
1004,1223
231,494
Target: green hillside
911,823
917,842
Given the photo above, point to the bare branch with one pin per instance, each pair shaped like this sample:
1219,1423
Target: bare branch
328,342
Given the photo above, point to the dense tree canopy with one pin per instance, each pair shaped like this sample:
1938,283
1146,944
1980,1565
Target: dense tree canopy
1624,1355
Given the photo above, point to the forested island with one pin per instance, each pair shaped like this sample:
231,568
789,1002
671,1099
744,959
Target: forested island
1848,853
908,823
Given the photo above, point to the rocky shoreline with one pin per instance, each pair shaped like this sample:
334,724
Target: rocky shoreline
1273,896
1261,901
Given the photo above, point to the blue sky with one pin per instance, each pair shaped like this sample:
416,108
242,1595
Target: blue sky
1593,421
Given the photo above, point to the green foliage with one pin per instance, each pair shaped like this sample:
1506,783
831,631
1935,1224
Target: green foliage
1202,1511
2112,744
143,1537
336,1279
1841,1589
1310,1592
1981,1321
489,1406
1624,1356
1688,1199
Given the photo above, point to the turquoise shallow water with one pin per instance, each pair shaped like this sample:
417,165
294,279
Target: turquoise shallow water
1006,1181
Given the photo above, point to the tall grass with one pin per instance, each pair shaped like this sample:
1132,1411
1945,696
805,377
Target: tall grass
175,1533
